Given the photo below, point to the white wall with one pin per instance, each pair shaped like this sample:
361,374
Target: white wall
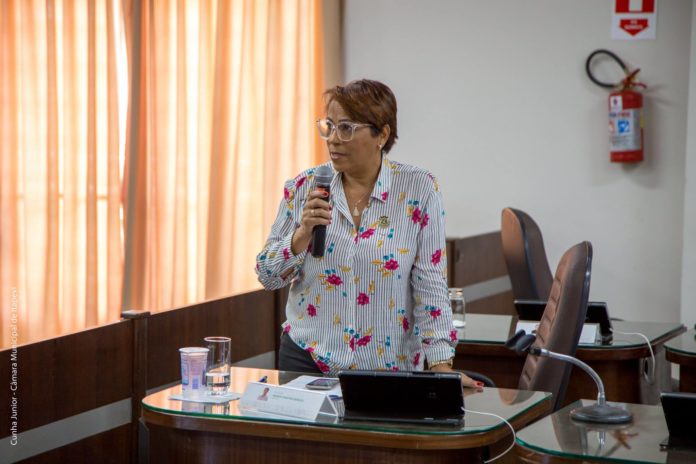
493,98
688,295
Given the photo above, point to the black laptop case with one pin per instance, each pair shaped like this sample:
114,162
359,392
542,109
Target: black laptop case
680,415
413,397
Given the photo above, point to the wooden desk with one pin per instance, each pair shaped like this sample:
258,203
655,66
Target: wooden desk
681,350
193,432
557,439
619,364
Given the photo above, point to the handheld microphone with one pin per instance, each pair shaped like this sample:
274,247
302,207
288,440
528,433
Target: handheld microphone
598,413
322,182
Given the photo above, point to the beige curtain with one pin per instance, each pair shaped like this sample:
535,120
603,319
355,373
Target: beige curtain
222,112
230,90
61,125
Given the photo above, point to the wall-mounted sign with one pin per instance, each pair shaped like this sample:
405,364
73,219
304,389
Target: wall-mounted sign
634,19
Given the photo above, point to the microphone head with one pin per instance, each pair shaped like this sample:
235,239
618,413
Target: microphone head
323,175
524,343
510,344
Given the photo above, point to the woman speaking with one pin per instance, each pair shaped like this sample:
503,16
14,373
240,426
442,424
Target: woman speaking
377,298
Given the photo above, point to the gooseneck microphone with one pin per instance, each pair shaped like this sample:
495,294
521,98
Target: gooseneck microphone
598,413
322,182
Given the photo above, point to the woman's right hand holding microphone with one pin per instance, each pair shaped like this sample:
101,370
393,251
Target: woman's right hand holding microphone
316,211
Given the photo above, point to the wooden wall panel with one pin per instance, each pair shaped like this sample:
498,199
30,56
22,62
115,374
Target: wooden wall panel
67,375
501,303
111,447
476,259
449,247
248,319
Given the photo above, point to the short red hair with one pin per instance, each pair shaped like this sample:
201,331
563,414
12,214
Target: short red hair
367,101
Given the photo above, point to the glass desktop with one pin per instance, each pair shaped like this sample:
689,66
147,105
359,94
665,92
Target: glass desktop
507,403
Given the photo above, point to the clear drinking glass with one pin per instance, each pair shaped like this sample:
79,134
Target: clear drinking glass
217,372
456,296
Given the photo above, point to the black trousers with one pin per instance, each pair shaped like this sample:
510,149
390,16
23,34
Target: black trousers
293,358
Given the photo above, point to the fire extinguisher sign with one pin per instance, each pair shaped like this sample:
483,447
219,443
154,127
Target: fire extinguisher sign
634,19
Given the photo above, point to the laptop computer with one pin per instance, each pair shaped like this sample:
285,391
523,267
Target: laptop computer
432,398
597,313
680,415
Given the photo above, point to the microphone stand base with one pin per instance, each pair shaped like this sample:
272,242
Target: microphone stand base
601,414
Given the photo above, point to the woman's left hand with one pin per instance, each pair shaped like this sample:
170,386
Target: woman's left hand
466,380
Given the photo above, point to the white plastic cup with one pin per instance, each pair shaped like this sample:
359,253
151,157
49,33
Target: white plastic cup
193,362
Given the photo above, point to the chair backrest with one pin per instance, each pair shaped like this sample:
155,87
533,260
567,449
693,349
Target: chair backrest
525,256
561,324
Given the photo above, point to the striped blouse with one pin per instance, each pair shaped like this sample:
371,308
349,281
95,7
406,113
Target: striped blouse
378,298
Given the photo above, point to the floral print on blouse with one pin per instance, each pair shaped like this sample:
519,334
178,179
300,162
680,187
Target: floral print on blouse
378,298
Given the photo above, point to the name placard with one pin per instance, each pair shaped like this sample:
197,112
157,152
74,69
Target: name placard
286,401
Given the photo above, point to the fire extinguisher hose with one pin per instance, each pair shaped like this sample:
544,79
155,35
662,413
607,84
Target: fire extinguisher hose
626,83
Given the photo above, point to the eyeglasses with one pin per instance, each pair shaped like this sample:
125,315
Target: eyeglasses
345,130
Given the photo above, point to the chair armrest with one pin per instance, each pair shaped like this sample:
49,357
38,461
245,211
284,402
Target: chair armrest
487,381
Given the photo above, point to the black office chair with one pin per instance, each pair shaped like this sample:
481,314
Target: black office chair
487,381
561,324
525,256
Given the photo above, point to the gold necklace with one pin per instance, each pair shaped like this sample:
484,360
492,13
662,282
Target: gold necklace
356,212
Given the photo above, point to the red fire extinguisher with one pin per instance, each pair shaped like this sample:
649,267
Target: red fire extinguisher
625,113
